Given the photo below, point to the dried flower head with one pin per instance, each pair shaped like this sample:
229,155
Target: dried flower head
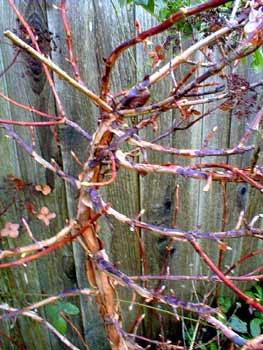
45,216
10,230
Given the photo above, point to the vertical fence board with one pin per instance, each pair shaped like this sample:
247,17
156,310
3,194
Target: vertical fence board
25,83
156,190
242,196
97,28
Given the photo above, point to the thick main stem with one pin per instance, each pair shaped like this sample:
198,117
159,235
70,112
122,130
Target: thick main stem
106,297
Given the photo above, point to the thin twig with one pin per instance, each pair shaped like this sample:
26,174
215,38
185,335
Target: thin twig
28,149
182,235
29,108
205,278
67,30
39,245
50,300
35,43
42,252
226,280
234,174
40,320
75,330
179,15
191,153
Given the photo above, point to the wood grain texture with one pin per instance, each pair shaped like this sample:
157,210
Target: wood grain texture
243,197
46,276
102,29
156,191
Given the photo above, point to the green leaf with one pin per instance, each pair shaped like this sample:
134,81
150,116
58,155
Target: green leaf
122,3
256,64
222,317
250,294
52,310
55,319
151,6
238,325
257,286
69,308
255,327
258,314
186,29
244,60
224,303
60,324
213,346
148,5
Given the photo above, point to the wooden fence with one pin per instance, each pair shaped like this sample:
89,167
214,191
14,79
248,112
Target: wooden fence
98,27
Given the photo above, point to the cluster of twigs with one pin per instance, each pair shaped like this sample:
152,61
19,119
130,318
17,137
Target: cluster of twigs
105,148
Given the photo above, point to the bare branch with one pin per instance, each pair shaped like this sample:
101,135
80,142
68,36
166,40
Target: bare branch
50,300
40,244
181,14
60,73
44,163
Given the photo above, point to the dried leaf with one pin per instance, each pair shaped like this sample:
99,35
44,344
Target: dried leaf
157,55
45,216
227,105
19,184
30,207
10,230
224,247
195,112
242,98
44,189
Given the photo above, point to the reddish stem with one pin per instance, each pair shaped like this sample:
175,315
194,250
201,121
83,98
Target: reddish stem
186,12
19,346
243,259
42,252
142,251
34,41
224,221
75,330
28,108
225,279
56,245
258,269
71,59
113,176
10,64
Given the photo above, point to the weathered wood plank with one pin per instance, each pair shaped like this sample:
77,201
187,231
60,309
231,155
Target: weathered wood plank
97,28
15,279
242,196
81,111
156,191
25,83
